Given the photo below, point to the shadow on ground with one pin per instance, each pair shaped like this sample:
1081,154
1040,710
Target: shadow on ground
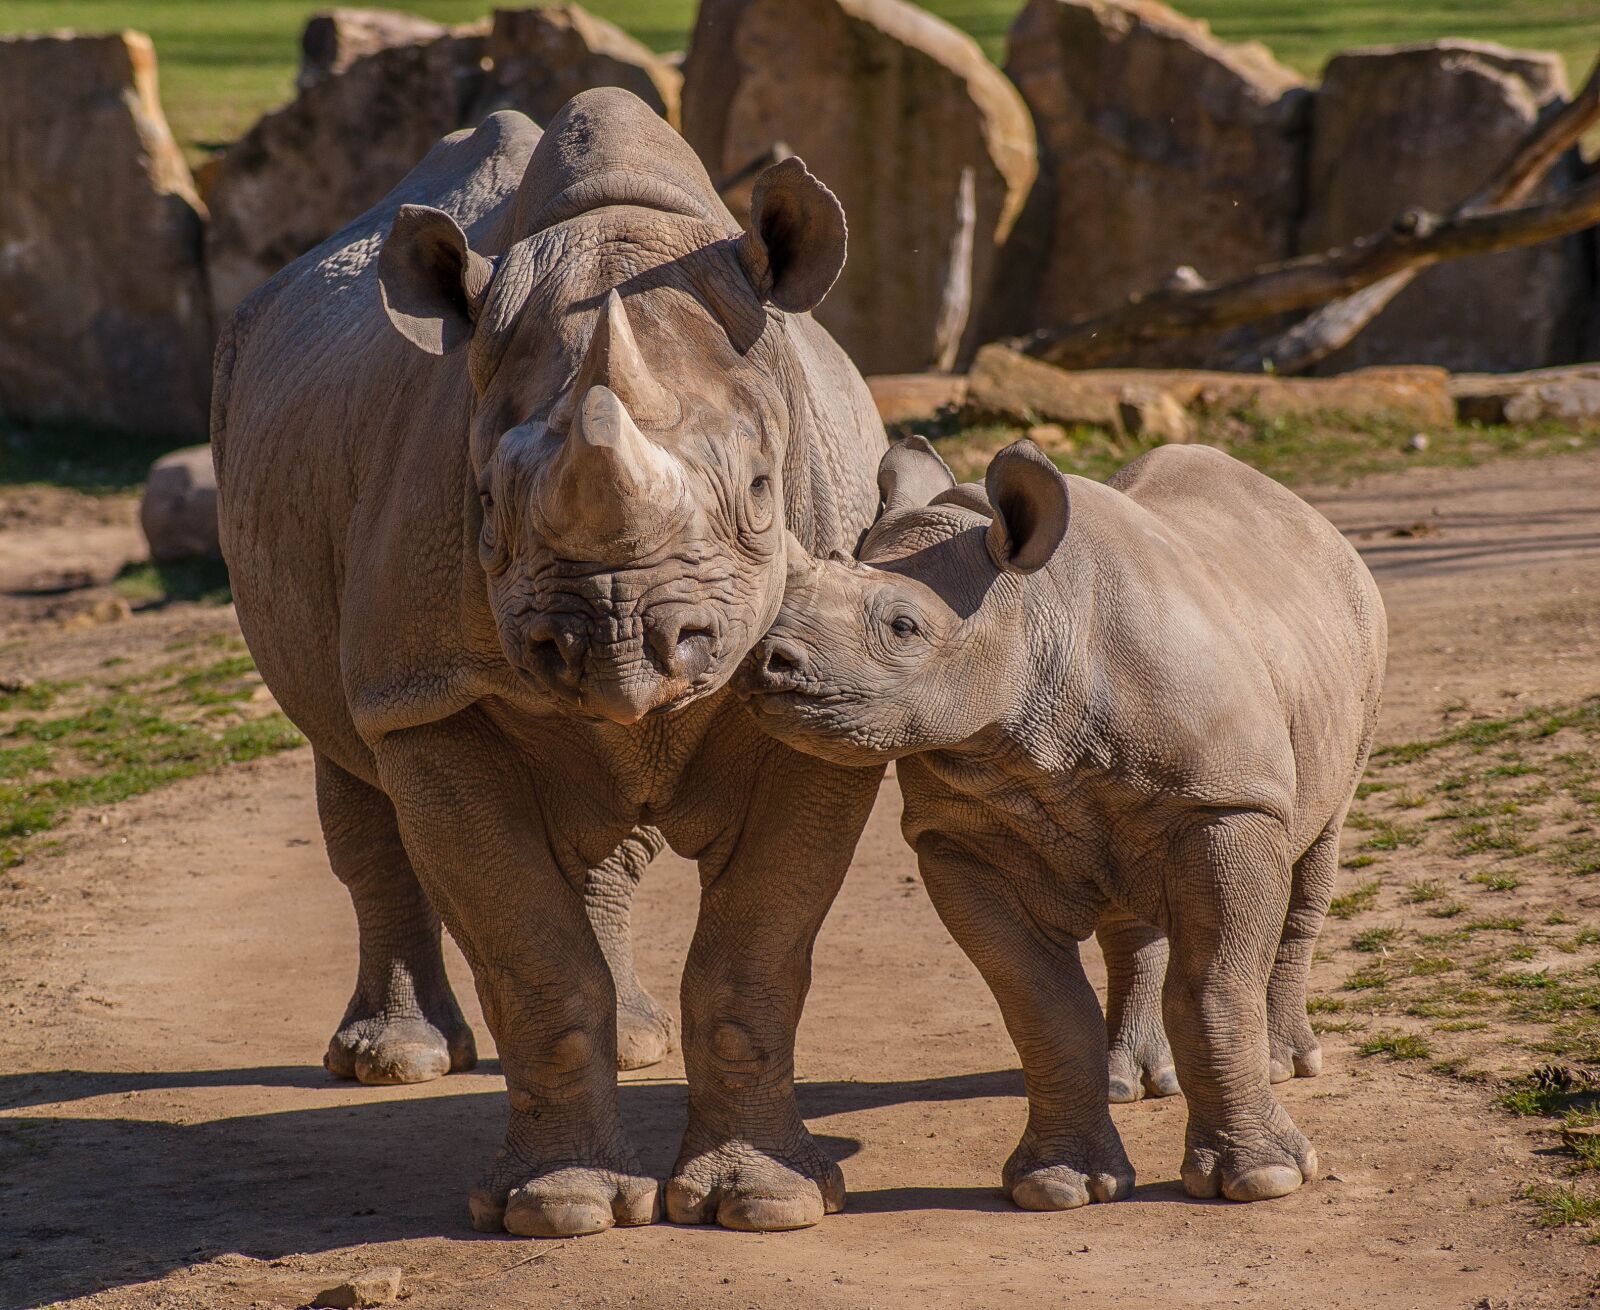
88,1203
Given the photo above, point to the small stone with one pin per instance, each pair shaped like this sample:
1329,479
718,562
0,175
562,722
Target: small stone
374,1287
1417,442
1155,414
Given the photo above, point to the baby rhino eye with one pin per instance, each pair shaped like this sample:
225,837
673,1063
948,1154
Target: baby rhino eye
903,625
759,485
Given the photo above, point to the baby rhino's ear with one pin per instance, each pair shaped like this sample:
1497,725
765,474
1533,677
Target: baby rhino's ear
910,474
1030,508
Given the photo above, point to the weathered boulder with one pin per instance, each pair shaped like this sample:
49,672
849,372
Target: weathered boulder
540,58
103,310
902,397
1558,395
1159,146
334,40
178,511
305,171
1398,127
926,144
1013,388
374,1287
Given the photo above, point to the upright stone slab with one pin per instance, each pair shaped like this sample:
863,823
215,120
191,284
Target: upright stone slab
1426,125
305,171
926,144
1160,146
103,313
334,40
540,58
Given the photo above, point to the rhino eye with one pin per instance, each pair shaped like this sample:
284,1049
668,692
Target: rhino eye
760,485
903,625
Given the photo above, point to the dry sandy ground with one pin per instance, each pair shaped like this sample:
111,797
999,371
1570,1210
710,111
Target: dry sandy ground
167,1137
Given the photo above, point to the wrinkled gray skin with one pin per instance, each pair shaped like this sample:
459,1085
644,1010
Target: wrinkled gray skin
1140,703
506,470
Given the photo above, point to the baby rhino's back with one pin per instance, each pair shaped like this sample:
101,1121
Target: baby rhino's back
1300,595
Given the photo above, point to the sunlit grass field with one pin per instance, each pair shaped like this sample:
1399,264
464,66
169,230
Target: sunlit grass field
225,61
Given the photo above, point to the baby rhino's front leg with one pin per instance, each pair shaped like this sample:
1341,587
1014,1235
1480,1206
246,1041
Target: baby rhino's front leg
1070,1153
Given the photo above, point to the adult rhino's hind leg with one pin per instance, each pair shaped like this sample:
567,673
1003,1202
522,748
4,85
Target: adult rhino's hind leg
646,1030
1296,1053
403,1024
1139,1060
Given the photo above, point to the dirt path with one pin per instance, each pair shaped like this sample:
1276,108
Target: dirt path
169,977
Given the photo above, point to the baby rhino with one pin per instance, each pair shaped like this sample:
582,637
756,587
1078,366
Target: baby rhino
1146,700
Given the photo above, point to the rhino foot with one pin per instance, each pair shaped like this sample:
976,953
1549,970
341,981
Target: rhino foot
1065,1174
740,1186
570,1201
385,1051
1295,1054
1254,1164
646,1032
1141,1068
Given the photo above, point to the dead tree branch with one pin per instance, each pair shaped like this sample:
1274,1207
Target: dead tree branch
1417,240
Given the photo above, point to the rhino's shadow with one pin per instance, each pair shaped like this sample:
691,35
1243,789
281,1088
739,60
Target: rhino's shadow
90,1203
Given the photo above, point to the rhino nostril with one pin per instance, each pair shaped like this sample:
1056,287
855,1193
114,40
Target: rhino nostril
682,646
782,661
556,648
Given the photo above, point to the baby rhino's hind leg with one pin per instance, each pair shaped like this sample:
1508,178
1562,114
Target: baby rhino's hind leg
1140,1060
1228,893
402,1024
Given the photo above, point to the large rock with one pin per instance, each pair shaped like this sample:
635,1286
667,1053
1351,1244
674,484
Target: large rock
305,171
178,511
1569,396
103,311
1426,125
540,58
926,144
334,40
1159,147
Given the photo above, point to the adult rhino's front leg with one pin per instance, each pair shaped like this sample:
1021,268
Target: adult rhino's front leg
1139,1059
747,1159
470,819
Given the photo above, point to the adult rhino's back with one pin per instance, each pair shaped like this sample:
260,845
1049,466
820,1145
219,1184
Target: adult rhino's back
327,426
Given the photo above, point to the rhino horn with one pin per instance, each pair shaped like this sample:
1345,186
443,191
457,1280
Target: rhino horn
613,360
611,493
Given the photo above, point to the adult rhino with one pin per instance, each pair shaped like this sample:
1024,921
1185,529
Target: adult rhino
505,469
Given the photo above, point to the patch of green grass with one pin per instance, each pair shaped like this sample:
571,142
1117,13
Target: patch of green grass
1428,966
1354,901
1323,1005
1369,977
1505,923
1559,1205
1424,890
1324,1026
122,743
1446,910
86,459
1496,880
1397,1046
204,581
1359,861
1376,940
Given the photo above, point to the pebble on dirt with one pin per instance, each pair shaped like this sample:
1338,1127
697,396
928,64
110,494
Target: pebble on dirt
372,1287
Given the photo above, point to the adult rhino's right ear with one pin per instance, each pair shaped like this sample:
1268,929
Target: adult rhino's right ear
911,474
1031,508
431,281
795,247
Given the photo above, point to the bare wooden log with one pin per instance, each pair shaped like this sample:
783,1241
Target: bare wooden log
1417,240
1333,326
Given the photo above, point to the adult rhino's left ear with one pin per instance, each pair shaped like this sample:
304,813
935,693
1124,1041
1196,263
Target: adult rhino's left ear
911,474
431,281
1031,509
795,246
